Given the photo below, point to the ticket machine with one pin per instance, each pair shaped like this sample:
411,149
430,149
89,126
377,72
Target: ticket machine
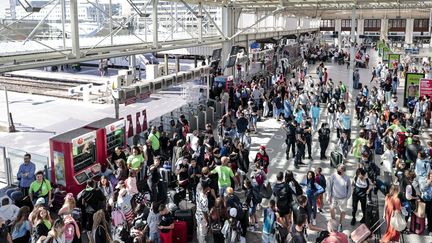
73,159
110,133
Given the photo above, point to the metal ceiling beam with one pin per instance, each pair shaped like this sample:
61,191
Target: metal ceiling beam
37,60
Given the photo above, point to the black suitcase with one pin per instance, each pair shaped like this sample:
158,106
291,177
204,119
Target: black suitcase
335,159
372,213
187,216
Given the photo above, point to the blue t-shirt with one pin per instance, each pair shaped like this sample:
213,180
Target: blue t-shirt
315,111
346,121
21,231
299,116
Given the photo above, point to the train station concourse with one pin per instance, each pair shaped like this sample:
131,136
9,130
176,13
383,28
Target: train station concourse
215,121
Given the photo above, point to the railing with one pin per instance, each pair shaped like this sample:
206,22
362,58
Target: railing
10,161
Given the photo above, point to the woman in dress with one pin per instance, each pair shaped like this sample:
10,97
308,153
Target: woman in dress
392,203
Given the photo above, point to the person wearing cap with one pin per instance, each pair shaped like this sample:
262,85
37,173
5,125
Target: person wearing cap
339,189
225,174
41,187
26,174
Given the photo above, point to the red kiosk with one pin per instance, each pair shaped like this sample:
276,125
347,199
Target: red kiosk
110,134
73,157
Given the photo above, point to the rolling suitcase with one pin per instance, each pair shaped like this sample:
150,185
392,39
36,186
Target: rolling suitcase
372,212
363,232
417,224
166,237
180,232
335,159
168,177
188,217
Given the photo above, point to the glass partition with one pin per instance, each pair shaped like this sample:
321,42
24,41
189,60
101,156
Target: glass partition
16,159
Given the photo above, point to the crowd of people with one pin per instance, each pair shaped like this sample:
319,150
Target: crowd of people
182,183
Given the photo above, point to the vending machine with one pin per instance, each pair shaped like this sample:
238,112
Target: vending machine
73,159
110,133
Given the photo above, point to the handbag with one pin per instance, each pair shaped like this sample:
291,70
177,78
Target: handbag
397,221
266,190
420,209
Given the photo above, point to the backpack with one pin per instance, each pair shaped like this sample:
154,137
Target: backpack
239,207
122,233
117,217
259,178
69,231
256,195
379,149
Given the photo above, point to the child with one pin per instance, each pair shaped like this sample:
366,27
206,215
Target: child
320,179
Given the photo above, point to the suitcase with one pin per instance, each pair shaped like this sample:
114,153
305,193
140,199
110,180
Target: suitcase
335,159
188,217
180,232
372,212
417,224
166,237
363,231
168,177
162,192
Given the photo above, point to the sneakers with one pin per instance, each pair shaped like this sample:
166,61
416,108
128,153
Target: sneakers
256,227
340,228
251,228
321,210
313,222
353,221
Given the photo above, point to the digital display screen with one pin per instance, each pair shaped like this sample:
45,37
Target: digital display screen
217,54
84,155
231,61
115,139
82,177
234,50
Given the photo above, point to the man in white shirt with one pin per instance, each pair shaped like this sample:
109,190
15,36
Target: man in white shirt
256,96
339,191
387,164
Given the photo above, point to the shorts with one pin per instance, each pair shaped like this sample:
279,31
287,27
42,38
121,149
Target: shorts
284,211
339,203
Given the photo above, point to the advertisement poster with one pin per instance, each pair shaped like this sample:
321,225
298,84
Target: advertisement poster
392,58
412,86
426,87
380,46
386,52
59,168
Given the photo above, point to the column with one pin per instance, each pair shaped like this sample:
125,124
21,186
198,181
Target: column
352,51
409,31
338,28
155,23
74,28
228,30
384,29
132,65
360,30
200,23
177,63
166,67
